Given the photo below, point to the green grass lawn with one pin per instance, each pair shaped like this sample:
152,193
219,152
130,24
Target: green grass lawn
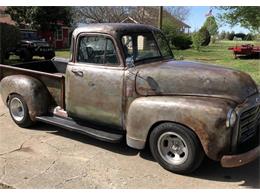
219,54
62,53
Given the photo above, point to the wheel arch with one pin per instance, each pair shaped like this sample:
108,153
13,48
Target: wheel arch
31,89
156,124
205,117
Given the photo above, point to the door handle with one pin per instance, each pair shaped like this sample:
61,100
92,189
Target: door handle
77,73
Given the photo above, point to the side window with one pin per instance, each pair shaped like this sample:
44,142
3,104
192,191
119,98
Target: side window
127,45
96,50
146,47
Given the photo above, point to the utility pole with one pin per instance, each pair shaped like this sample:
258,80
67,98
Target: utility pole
160,17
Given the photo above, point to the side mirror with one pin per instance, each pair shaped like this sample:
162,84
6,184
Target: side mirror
130,62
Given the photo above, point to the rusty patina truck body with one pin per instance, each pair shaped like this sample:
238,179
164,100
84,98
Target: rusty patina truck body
122,82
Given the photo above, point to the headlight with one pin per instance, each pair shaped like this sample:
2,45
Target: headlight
231,118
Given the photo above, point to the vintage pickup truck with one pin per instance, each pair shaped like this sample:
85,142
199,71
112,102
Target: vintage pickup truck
122,82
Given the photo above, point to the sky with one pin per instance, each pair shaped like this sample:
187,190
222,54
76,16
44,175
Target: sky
197,18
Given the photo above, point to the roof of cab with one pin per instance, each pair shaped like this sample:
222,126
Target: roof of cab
112,28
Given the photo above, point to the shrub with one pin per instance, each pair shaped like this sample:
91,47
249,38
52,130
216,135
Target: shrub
231,36
197,39
205,35
227,35
249,37
9,37
222,35
240,35
201,38
178,39
181,41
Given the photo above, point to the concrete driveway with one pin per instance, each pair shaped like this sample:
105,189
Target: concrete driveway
49,157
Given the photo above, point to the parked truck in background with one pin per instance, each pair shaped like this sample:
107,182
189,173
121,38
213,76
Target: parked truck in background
122,83
31,45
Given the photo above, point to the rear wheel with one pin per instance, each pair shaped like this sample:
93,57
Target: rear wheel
19,111
176,148
49,56
7,55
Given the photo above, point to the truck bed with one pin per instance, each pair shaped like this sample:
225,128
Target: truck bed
51,73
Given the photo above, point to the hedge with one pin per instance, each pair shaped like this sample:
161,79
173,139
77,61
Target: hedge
9,37
182,41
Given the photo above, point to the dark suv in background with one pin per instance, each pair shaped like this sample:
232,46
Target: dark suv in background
31,45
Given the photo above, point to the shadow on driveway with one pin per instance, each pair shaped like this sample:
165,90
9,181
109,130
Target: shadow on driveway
209,170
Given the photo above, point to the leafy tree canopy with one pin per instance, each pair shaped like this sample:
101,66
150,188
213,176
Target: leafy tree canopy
246,16
40,17
211,25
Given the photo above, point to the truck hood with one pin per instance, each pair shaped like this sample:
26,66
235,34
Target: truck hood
190,78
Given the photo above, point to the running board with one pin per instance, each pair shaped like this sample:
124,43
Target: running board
71,125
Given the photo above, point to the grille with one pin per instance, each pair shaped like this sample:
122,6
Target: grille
249,124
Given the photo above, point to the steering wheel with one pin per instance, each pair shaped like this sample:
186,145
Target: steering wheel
90,52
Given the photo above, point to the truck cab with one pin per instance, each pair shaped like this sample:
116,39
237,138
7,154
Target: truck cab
123,83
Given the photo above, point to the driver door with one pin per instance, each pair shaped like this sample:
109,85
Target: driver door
94,85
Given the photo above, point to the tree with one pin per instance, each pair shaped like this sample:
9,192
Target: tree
142,14
104,14
197,39
177,38
40,17
246,16
47,18
201,38
222,35
231,36
180,12
227,35
211,25
21,15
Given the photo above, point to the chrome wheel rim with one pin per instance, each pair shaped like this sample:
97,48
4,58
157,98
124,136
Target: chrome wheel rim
17,109
172,148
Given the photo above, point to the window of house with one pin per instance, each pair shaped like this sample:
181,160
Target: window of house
97,50
59,34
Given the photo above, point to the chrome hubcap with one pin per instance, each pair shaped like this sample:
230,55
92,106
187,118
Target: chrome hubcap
172,148
17,109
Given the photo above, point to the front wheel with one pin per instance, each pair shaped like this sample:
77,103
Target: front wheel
176,148
19,111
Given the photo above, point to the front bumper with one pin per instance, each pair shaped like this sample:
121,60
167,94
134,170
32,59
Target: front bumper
240,159
251,150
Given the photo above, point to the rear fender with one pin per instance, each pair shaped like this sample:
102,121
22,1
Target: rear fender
31,89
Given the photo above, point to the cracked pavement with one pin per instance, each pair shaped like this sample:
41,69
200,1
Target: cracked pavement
49,157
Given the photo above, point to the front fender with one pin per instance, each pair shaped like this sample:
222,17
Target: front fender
32,90
205,116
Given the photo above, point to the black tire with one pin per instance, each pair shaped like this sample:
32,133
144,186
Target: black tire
195,154
26,55
26,120
7,55
49,56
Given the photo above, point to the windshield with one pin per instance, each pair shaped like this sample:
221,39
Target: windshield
144,46
29,36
